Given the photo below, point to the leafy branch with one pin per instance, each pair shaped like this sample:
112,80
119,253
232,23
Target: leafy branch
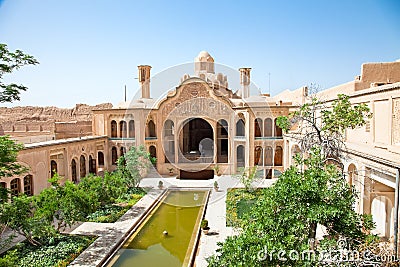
9,62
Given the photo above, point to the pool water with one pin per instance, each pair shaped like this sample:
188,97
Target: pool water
179,214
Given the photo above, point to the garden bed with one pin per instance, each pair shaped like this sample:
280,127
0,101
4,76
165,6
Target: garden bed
58,251
239,203
110,213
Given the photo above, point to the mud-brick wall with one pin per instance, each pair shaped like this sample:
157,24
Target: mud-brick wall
73,129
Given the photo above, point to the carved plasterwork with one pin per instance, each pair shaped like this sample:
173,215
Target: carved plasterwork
193,100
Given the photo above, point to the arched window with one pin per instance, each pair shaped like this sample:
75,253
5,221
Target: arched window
268,174
268,156
153,153
258,156
223,128
15,187
294,151
74,173
268,127
278,130
122,129
122,151
113,128
53,168
168,128
131,129
92,165
240,131
28,185
100,158
169,141
382,214
151,129
258,125
240,156
352,172
114,155
82,166
278,156
222,141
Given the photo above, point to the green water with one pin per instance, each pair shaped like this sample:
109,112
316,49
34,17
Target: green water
179,216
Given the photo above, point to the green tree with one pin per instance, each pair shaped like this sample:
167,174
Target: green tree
104,190
64,204
247,176
8,157
12,216
9,62
285,216
20,216
317,124
133,165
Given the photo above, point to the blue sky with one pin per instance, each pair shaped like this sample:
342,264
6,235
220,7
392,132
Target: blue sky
88,50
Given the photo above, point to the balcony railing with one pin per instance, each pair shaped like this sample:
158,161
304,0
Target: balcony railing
269,138
122,138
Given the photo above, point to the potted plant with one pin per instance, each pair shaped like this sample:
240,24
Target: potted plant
160,184
217,170
171,171
204,226
216,187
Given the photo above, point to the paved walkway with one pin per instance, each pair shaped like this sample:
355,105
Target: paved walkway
111,234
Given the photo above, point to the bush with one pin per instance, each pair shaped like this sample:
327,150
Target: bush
110,213
239,202
107,214
66,203
10,259
204,224
58,251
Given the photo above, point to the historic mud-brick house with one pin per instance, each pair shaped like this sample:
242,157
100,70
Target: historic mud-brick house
203,122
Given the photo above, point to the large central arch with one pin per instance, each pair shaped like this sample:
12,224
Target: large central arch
196,140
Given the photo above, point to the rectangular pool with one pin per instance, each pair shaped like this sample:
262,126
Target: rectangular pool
179,213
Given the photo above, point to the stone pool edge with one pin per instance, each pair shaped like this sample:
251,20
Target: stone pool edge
110,235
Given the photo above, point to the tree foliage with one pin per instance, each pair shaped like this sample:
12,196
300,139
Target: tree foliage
134,165
9,62
312,192
64,204
8,157
247,176
317,124
20,216
104,190
282,216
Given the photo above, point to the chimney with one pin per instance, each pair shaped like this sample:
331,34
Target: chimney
144,80
244,91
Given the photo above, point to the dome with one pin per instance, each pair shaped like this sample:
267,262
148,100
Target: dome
204,56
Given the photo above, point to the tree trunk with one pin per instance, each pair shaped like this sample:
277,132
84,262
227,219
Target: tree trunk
312,234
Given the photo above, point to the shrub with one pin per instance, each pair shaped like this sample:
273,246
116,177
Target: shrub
58,251
204,224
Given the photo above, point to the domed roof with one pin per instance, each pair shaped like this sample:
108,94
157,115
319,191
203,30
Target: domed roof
204,56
